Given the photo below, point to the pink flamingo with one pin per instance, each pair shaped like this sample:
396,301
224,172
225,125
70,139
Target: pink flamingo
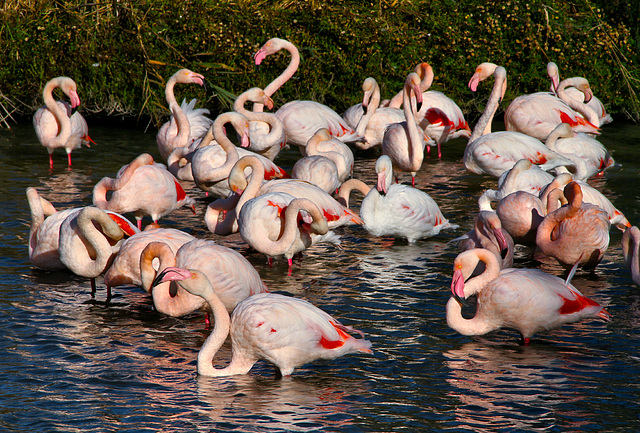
187,123
44,231
125,269
279,225
266,131
393,209
90,239
576,234
520,214
537,114
495,152
594,103
403,142
233,277
527,300
318,170
285,331
212,163
143,188
631,252
55,125
301,119
489,234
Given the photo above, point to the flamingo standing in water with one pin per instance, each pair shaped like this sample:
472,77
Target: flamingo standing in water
403,142
266,131
576,234
143,188
494,153
279,225
55,125
90,239
594,103
393,209
301,119
212,163
187,124
125,269
233,277
285,331
631,252
527,300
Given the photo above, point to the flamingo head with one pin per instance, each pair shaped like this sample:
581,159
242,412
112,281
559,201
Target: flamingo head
69,87
483,71
272,46
554,75
186,76
368,87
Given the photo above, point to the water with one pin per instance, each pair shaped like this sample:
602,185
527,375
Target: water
72,362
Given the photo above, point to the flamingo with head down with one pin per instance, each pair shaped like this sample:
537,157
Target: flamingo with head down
527,300
631,252
285,331
187,123
143,188
57,124
301,119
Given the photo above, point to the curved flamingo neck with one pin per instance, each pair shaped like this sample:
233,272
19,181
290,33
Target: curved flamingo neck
285,75
371,101
492,269
575,104
224,142
98,240
107,184
59,113
474,326
416,148
349,185
182,121
154,250
252,187
483,126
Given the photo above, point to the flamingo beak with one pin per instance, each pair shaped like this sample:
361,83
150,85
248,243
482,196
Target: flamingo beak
457,287
171,274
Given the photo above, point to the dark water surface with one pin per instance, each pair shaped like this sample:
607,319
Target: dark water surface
70,362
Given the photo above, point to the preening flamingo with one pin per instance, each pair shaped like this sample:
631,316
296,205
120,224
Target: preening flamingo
266,131
323,144
374,119
212,163
489,234
495,152
576,234
279,225
403,142
125,269
187,123
56,124
318,170
537,114
393,209
232,276
301,119
527,300
594,103
631,252
285,331
144,188
588,155
44,231
90,239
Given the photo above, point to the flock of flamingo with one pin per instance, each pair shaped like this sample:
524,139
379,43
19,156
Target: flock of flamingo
542,201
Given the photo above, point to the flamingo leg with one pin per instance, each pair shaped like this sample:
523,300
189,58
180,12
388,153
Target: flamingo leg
108,294
93,287
207,321
69,159
50,161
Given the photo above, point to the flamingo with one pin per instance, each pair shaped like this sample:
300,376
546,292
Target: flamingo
187,123
266,131
576,234
527,300
44,231
323,144
90,239
279,225
523,176
143,188
211,164
587,154
594,103
537,114
233,277
393,209
125,269
520,214
285,331
440,117
335,213
403,142
489,234
318,170
301,119
55,125
495,152
631,252
374,119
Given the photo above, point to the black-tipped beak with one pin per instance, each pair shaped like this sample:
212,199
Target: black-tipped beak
460,300
504,253
159,277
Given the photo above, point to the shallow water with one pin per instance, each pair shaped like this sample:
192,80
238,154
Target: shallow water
73,362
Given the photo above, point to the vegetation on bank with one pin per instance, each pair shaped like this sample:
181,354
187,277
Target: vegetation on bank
121,52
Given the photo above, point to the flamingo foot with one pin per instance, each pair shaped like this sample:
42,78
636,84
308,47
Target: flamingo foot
207,321
270,261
